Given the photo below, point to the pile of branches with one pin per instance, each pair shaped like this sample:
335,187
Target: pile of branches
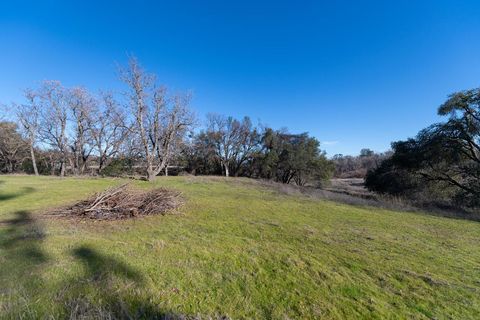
125,202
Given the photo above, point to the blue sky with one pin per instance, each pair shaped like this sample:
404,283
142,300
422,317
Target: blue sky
352,73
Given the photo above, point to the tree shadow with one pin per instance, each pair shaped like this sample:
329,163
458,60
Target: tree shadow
110,289
99,265
8,196
21,260
22,237
105,288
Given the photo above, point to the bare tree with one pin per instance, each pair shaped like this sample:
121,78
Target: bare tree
246,145
221,133
81,106
28,116
234,141
53,118
159,121
178,120
109,129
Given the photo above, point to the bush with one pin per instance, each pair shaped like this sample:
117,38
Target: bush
119,167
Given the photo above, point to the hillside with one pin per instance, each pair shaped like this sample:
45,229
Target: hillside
235,249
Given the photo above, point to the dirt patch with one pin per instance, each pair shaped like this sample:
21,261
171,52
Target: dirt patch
124,202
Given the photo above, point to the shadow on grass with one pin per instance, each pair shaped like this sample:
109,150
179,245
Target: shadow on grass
98,265
21,263
21,239
109,289
8,196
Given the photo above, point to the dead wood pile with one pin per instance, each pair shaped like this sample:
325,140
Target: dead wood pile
125,202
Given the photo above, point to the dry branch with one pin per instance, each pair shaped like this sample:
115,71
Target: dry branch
125,202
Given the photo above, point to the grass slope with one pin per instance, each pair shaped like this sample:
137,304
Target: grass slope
237,250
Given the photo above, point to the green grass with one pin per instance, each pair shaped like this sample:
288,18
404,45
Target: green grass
237,249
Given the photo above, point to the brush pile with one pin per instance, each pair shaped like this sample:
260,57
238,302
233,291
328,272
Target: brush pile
125,202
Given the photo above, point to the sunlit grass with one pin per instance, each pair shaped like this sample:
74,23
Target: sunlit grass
235,249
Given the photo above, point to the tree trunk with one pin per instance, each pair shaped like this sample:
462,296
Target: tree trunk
227,173
52,166
151,173
34,161
101,162
62,168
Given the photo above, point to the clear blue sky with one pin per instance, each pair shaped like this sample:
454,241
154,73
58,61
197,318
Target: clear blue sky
352,73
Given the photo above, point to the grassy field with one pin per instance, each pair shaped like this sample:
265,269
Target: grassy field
236,249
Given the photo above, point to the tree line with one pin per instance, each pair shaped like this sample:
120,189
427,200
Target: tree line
347,166
59,131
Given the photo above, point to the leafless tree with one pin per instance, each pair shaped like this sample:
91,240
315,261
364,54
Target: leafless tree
247,144
222,134
81,108
28,116
159,121
178,121
234,141
53,118
109,129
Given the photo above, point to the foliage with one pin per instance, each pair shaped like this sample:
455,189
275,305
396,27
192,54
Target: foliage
119,167
13,148
44,167
233,146
200,156
443,159
292,158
